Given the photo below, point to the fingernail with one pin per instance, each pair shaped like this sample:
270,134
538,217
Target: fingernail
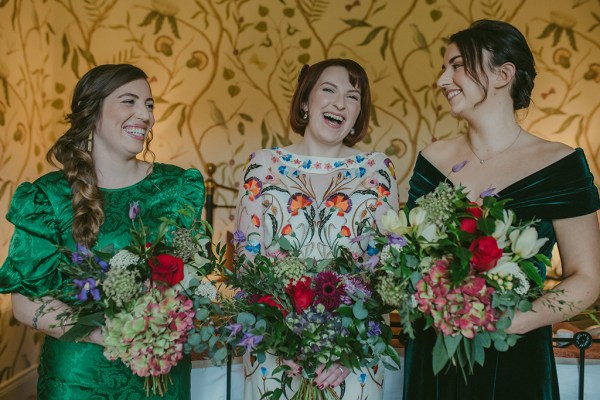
321,386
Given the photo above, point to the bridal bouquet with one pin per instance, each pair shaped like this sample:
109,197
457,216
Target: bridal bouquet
141,296
312,312
463,267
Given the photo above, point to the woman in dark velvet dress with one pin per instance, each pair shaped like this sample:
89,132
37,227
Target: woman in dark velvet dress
488,74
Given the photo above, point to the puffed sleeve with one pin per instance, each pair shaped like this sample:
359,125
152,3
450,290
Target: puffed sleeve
31,267
192,195
387,192
250,221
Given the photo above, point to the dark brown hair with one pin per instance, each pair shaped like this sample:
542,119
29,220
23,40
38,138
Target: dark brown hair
71,149
504,43
307,81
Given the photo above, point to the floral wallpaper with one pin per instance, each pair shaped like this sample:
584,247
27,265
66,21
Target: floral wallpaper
223,73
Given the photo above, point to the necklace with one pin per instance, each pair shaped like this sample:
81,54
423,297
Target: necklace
482,160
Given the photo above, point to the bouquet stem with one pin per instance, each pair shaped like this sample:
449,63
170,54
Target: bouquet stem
308,391
158,384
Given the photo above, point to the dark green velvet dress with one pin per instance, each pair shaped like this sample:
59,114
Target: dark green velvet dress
527,371
42,215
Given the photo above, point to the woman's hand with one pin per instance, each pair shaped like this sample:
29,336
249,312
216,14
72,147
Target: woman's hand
330,377
294,370
95,337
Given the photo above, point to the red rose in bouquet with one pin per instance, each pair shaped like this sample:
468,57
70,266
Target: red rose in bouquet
300,294
166,268
485,253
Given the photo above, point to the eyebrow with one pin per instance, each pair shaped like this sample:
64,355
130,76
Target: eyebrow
134,95
452,60
336,86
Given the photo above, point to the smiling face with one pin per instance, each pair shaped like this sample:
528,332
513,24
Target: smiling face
126,118
462,92
333,107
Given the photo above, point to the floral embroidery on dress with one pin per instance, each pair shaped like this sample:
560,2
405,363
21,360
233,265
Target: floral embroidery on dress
318,204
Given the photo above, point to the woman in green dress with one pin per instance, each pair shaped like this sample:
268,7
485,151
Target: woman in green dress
488,74
87,202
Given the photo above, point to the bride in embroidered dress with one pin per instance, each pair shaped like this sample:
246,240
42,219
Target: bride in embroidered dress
314,193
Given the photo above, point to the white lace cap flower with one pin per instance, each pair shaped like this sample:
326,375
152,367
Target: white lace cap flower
124,259
206,289
525,243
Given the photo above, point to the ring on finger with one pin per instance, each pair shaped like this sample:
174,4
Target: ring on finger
341,370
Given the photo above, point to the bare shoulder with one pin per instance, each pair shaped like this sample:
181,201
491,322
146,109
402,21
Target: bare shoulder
442,152
546,151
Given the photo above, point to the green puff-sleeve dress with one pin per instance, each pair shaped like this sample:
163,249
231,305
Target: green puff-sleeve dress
527,371
42,215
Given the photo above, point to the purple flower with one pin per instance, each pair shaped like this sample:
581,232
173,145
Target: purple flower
396,239
488,192
134,210
234,329
239,295
371,263
457,167
250,341
374,329
80,254
103,264
238,237
88,287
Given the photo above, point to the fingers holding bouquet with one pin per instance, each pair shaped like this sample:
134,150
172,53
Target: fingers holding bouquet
330,377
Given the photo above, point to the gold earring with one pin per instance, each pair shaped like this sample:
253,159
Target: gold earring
90,141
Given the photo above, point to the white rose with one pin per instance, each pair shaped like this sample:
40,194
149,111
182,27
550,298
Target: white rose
525,243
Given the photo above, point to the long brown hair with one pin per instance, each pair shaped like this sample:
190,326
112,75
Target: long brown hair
72,151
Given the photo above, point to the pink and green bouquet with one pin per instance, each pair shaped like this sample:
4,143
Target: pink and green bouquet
297,309
463,267
141,296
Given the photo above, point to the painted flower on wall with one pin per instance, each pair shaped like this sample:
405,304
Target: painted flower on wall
164,45
198,60
593,73
562,57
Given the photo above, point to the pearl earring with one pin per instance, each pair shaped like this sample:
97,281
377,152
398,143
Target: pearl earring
305,115
352,131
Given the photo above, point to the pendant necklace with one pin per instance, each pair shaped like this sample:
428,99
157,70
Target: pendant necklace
482,160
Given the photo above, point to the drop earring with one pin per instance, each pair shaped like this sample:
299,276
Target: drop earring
352,131
90,141
304,115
